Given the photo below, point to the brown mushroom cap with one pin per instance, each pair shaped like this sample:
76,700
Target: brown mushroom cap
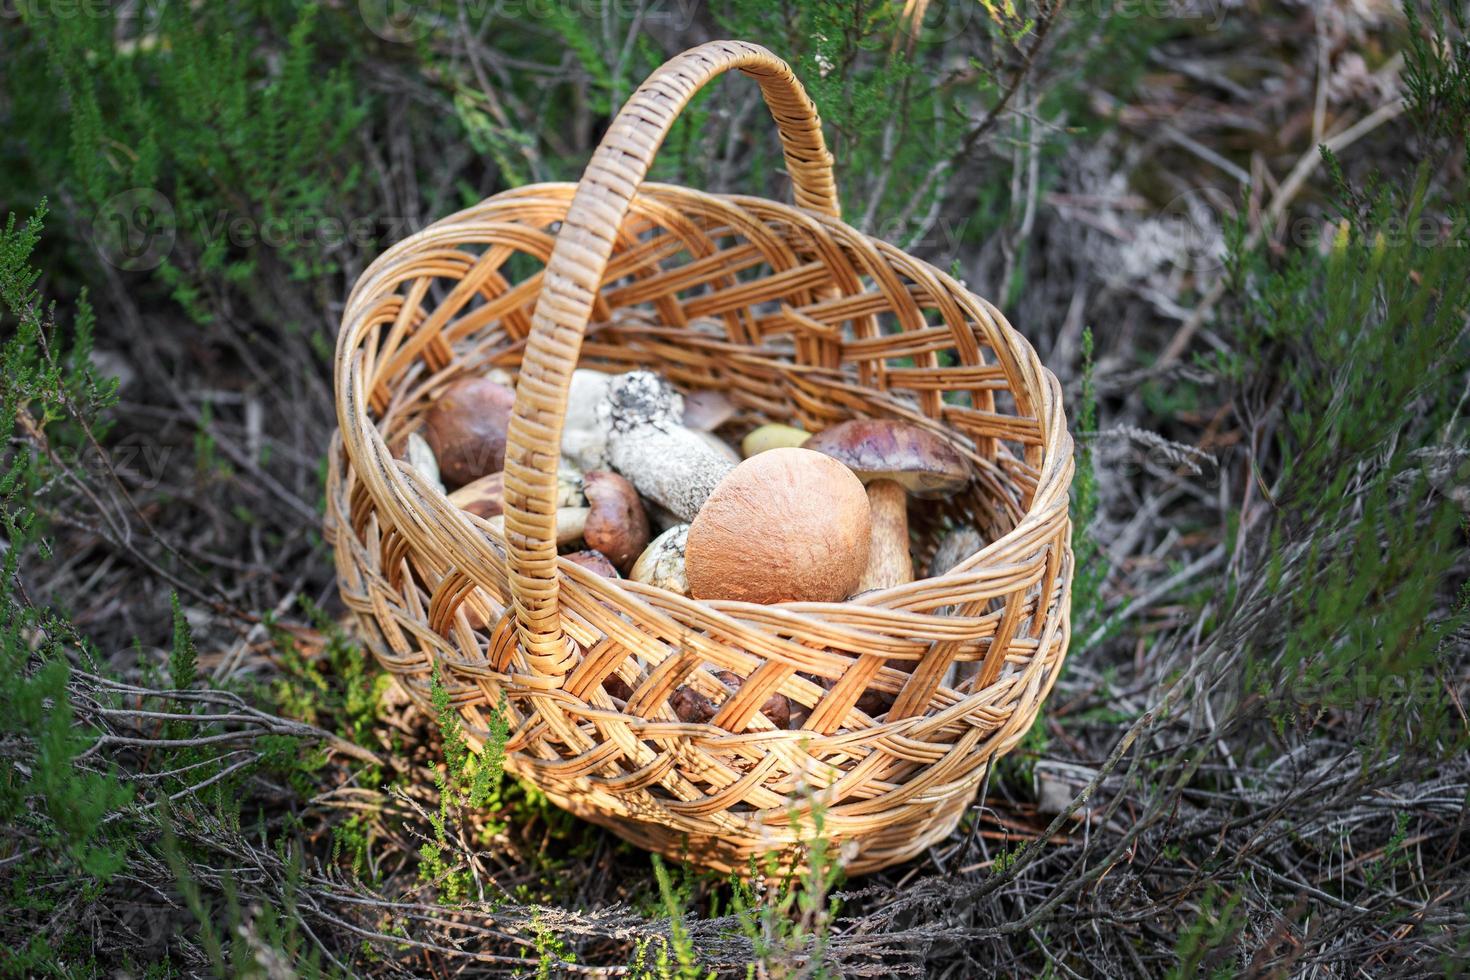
789,525
484,497
594,561
777,708
884,449
691,706
617,525
466,429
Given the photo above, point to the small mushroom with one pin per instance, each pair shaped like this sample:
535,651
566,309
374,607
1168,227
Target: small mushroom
617,687
594,561
871,702
617,525
570,524
485,497
646,443
772,435
705,410
894,459
416,453
584,434
789,525
466,429
570,489
777,708
690,706
662,562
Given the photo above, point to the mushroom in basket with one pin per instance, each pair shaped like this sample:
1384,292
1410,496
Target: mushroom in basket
670,464
788,525
895,460
466,429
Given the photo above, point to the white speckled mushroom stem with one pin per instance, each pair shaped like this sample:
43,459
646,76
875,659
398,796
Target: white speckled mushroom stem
889,563
671,465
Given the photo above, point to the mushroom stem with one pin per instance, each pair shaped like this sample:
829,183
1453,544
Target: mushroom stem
666,462
888,553
570,523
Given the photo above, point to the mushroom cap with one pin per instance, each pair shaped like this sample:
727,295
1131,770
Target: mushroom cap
706,409
690,706
772,435
885,449
788,525
662,562
466,429
617,525
484,497
640,398
594,561
777,708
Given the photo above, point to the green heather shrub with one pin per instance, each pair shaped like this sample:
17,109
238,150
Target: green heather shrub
173,123
48,379
1370,335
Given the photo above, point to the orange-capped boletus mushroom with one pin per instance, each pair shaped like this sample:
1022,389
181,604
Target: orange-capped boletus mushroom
466,429
895,460
789,525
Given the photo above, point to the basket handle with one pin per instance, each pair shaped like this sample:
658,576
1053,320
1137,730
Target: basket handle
572,277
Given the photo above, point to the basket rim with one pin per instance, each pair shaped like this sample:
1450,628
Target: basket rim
1053,475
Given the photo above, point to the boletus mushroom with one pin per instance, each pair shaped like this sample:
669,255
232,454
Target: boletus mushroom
646,442
706,409
571,522
777,708
690,706
895,460
772,435
414,451
485,497
594,561
466,429
789,525
617,525
584,434
662,563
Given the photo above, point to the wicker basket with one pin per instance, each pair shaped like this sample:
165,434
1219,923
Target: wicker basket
798,318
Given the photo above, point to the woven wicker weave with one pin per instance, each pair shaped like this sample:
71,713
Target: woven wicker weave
797,317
